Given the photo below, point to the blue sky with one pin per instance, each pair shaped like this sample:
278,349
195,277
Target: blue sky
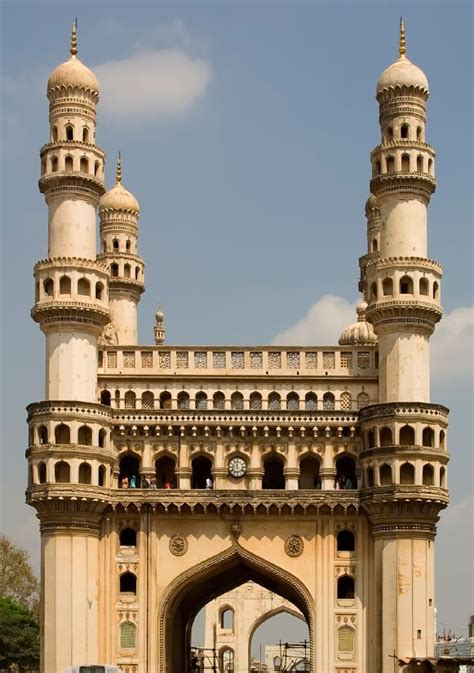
252,177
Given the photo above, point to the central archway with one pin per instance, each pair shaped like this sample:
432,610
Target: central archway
211,578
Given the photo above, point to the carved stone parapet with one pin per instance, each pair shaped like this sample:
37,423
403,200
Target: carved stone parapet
404,506
405,411
232,417
72,144
403,93
83,451
377,262
95,265
404,312
75,182
403,143
416,451
422,184
85,522
129,286
86,411
90,316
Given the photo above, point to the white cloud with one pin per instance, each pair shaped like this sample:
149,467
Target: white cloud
322,325
162,82
452,345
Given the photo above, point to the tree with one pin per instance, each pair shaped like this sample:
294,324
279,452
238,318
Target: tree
19,637
17,579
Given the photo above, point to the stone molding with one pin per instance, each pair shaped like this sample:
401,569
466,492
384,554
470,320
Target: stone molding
404,262
416,410
95,265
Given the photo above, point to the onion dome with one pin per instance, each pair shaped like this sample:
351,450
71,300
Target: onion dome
159,315
73,73
119,198
360,333
403,73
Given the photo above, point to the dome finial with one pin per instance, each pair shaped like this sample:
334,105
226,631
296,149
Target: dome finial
118,170
402,47
73,48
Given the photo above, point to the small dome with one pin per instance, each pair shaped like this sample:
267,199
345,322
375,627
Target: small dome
360,333
75,74
119,198
402,73
372,206
159,315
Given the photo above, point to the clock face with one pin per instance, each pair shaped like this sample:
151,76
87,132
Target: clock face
237,467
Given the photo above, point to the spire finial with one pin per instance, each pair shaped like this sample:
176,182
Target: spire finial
118,170
73,48
402,47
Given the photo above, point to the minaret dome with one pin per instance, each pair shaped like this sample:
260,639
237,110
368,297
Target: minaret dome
72,73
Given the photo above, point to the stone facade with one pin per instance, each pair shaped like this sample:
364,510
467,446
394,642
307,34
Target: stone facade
340,475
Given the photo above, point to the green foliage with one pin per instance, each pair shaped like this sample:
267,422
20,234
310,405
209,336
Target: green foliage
17,579
19,637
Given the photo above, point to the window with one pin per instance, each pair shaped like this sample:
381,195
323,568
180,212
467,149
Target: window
407,436
227,658
68,164
129,472
390,133
128,537
370,477
385,475
329,402
202,473
428,475
128,635
218,401
54,164
126,270
165,472
435,290
428,437
85,135
345,540
183,400
273,477
62,472
430,166
311,402
114,270
442,439
85,473
105,397
62,434
405,163
128,583
69,132
42,473
84,287
237,401
346,401
419,164
99,290
346,473
201,400
373,291
404,130
390,164
130,400
102,437
84,435
148,400
424,287
165,400
64,285
227,619
43,434
55,134
387,287
386,438
309,473
419,133
442,477
96,168
115,245
255,401
407,474
370,439
345,587
292,402
406,285
48,287
84,165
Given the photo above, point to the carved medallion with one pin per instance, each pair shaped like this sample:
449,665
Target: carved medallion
178,545
294,545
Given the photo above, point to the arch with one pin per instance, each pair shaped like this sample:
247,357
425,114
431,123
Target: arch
165,472
424,287
226,618
375,245
114,270
428,437
309,473
127,270
389,133
69,164
255,401
406,285
115,245
84,287
128,537
442,477
311,402
48,287
85,135
387,287
128,245
42,473
436,290
117,399
43,434
62,434
99,290
386,437
442,439
406,436
373,291
419,133
385,472
370,437
183,400
390,163
69,132
84,165
345,588
84,435
346,401
64,285
405,163
62,472
129,471
404,131
102,475
419,164
137,273
102,437
96,168
407,473
201,400
428,475
345,540
55,134
329,401
362,400
218,400
54,164
430,166
130,400
165,400
148,400
226,660
128,635
293,401
85,473
370,480
237,401
211,578
378,168
346,472
128,583
105,397
201,472
273,477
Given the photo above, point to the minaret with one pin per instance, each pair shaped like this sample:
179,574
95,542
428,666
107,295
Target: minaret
119,212
159,326
404,456
71,304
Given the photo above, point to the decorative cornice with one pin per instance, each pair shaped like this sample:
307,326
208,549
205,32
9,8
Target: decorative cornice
404,263
415,451
83,314
73,181
405,410
72,144
400,181
88,410
95,265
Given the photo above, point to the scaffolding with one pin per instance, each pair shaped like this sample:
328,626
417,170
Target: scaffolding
292,657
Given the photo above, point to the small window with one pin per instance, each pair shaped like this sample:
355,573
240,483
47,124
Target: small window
128,583
387,287
64,285
385,475
407,436
102,437
237,401
54,164
404,131
227,619
84,165
43,434
405,163
84,287
42,473
128,637
84,435
165,400
126,270
419,134
406,285
424,287
85,473
137,273
390,164
127,245
130,400
55,134
428,475
345,587
292,402
62,434
386,437
68,164
128,537
407,474
419,164
375,245
48,287
329,402
85,135
114,270
373,291
62,472
201,400
99,291
255,401
96,168
430,166
428,437
105,397
218,401
390,133
311,402
69,132
345,541
435,290
115,245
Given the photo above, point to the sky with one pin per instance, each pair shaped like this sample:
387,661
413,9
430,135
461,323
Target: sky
245,130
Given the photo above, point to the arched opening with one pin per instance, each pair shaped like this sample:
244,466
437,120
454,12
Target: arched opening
292,402
255,401
390,164
273,477
370,480
128,583
128,537
84,287
345,588
370,439
311,402
115,245
309,473
329,402
406,163
85,473
226,662
84,435
387,287
128,245
85,135
201,400
345,401
373,291
214,577
407,474
105,397
99,291
165,472
42,473
117,399
407,436
362,400
428,475
442,477
345,540
96,168
55,134
435,290
64,285
43,434
68,164
69,132
442,439
378,168
84,165
130,400
428,437
237,401
424,287
102,475
165,400
62,434
406,285
386,438
419,133
389,133
419,164
48,287
201,473
126,270
114,270
129,476
102,437
183,400
137,273
430,166
218,401
226,619
148,400
385,472
54,164
404,131
346,473
62,472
